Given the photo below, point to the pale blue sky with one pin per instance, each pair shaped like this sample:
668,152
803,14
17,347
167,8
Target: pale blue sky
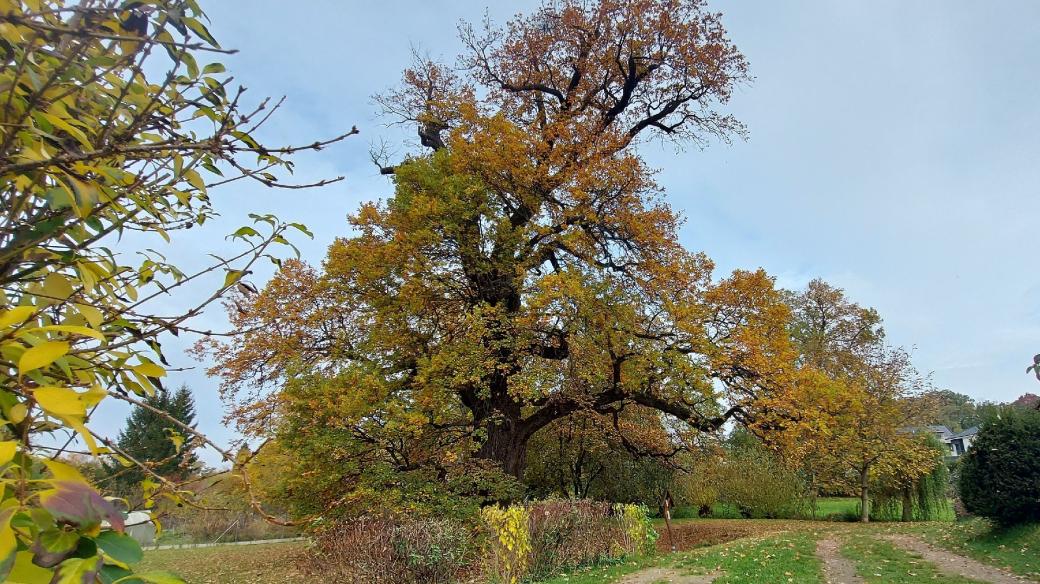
893,152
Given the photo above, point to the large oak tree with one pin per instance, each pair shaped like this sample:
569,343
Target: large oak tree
526,267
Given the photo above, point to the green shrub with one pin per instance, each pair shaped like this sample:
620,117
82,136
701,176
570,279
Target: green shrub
639,535
758,485
1000,473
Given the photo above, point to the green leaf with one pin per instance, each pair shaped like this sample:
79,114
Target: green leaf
232,277
121,547
78,570
302,228
245,231
112,573
201,30
52,546
214,68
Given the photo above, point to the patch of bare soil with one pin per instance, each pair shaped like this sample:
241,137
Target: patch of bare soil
951,563
695,534
836,568
657,575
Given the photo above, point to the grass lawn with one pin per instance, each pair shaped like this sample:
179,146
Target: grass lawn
1015,548
835,506
827,508
788,557
600,574
879,562
229,564
824,506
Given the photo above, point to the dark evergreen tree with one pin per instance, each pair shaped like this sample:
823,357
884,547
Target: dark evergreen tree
154,439
1000,474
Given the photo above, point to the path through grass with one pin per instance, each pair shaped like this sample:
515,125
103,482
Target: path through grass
879,562
1016,549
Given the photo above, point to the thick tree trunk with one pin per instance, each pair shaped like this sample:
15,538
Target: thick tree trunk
507,445
500,417
864,494
908,503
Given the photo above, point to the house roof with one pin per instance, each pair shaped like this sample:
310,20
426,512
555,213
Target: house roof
966,433
940,429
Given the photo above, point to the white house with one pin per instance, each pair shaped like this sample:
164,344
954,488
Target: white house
957,442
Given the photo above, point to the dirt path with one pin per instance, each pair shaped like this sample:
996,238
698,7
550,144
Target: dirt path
658,575
836,568
951,563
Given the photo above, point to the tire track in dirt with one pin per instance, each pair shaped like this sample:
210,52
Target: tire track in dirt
954,564
836,568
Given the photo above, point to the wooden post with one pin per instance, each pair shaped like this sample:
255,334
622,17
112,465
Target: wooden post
668,519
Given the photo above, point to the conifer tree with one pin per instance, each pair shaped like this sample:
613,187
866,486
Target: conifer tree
153,439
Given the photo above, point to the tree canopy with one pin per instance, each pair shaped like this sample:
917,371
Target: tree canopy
526,267
851,416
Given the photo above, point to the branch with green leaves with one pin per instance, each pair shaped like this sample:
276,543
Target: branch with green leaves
92,148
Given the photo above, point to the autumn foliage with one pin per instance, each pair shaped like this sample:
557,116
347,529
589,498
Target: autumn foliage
525,268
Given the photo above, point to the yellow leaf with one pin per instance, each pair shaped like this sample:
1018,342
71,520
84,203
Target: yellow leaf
72,130
16,315
85,196
8,541
26,572
42,355
63,472
77,330
195,180
56,287
61,402
93,396
93,315
17,413
85,434
149,370
7,451
177,439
